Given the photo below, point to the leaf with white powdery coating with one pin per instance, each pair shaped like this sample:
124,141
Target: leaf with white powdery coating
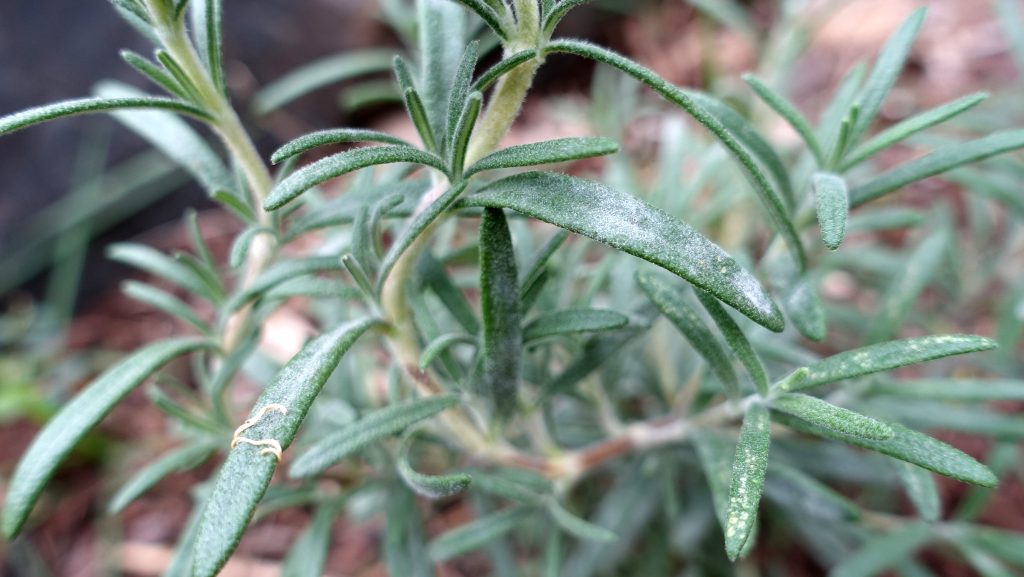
571,321
833,203
890,355
499,303
26,118
633,226
546,152
75,419
748,471
737,341
308,142
246,473
824,414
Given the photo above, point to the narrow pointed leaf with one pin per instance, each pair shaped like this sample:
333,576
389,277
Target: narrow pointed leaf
921,489
26,118
907,128
910,446
829,416
492,74
715,454
308,142
799,296
378,424
577,527
342,163
737,341
463,132
475,534
429,486
451,296
320,73
280,273
920,268
884,551
942,160
457,100
789,112
748,472
53,444
499,302
158,264
547,152
887,69
178,460
833,203
443,36
673,304
154,73
633,226
164,302
572,321
245,474
696,105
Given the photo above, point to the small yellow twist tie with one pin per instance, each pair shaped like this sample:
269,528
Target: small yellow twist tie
270,446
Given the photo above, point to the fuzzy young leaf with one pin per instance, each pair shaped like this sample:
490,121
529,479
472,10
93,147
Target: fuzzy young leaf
463,132
475,534
887,69
499,302
429,486
829,416
378,424
633,226
833,202
308,142
572,321
737,341
890,355
492,74
208,28
942,160
154,73
26,118
246,473
884,551
457,100
672,303
343,163
907,128
180,459
748,471
75,419
318,74
547,152
910,446
788,111
921,489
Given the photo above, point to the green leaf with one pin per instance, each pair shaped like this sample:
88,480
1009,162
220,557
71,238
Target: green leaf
492,18
714,121
375,425
475,534
160,265
53,444
953,389
921,266
788,111
976,419
557,12
434,275
457,100
320,73
429,486
463,132
633,226
921,489
910,126
181,459
891,355
279,273
441,344
547,152
883,551
245,474
499,302
944,159
180,77
803,494
833,203
910,446
539,263
672,303
416,227
342,163
577,527
799,295
308,554
173,137
443,37
207,28
492,74
418,113
154,73
570,321
308,142
829,416
737,341
748,471
164,302
887,69
17,121
715,454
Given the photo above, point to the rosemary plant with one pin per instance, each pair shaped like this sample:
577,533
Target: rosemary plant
526,365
